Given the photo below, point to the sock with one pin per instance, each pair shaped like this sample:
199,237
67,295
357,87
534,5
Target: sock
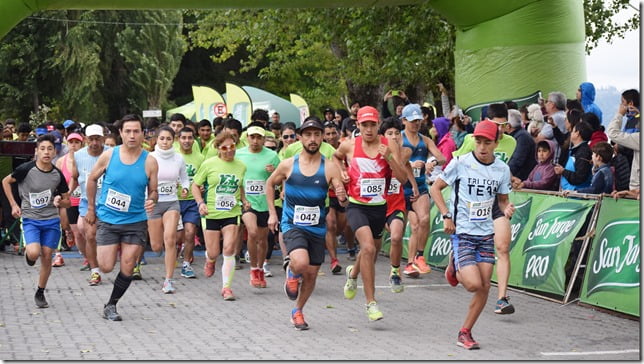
228,270
465,330
121,284
40,291
96,270
290,273
395,266
186,264
293,311
419,253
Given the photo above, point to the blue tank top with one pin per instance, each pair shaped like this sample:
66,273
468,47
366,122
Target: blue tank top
124,189
418,153
304,199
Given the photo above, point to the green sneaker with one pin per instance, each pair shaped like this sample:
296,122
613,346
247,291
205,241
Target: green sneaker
136,272
373,312
351,285
395,281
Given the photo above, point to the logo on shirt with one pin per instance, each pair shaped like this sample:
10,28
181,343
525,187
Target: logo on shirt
228,184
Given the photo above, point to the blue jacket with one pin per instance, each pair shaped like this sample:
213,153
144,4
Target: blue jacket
588,100
602,181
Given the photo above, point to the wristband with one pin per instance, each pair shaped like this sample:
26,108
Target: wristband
432,159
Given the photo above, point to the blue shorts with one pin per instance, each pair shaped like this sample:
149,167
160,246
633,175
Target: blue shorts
190,212
422,190
472,249
44,232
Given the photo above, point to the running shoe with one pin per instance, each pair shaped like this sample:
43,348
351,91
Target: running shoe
109,313
503,307
136,273
187,272
291,285
297,319
40,300
373,312
255,280
209,268
410,271
227,294
336,268
267,270
58,261
29,262
143,261
351,285
466,340
352,254
85,266
94,279
421,266
396,282
262,278
450,272
168,287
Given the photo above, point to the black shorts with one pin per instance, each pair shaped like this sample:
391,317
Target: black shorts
408,203
396,215
110,234
496,211
262,217
72,215
218,224
301,239
373,216
335,204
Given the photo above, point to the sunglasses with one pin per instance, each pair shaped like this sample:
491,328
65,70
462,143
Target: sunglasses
272,148
225,148
291,136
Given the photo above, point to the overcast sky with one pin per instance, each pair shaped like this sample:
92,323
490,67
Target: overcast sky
616,64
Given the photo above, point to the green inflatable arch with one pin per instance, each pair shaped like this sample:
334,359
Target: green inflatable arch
504,48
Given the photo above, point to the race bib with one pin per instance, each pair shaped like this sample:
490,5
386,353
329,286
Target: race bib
76,193
394,187
118,201
167,188
416,172
255,187
306,215
225,202
40,199
99,182
480,211
371,187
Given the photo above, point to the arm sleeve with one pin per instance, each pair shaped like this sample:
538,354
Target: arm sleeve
615,134
596,186
445,104
505,185
547,182
21,172
450,174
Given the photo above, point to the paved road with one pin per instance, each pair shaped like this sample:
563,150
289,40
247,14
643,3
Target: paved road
196,324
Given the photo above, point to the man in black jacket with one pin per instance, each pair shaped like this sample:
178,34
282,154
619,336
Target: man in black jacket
578,170
523,159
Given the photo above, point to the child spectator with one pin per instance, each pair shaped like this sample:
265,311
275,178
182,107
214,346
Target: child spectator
602,181
543,176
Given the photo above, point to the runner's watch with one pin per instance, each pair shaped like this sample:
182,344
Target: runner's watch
447,216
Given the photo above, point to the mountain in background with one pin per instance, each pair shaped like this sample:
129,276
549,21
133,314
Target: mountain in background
608,99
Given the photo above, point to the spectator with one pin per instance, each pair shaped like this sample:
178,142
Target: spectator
24,131
393,103
602,181
629,140
459,129
329,115
574,104
522,160
538,128
349,123
524,116
555,108
542,176
621,168
586,95
445,143
577,173
598,130
340,114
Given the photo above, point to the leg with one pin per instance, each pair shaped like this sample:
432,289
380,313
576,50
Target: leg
189,232
476,279
367,258
45,265
155,230
502,237
250,222
396,232
411,247
90,244
169,228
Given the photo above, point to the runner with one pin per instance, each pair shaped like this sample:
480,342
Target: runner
162,222
308,176
421,148
477,179
224,175
42,189
260,163
396,211
336,220
85,160
189,210
498,113
122,206
371,163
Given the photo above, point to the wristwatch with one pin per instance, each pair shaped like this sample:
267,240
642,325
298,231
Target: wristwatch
447,216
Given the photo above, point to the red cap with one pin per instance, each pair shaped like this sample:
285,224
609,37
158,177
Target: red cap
486,129
368,113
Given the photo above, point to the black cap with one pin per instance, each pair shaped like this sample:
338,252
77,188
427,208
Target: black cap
311,124
328,109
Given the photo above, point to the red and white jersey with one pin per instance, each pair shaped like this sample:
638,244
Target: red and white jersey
368,177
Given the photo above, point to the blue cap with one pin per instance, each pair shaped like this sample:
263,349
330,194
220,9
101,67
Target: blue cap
412,112
68,123
41,131
59,139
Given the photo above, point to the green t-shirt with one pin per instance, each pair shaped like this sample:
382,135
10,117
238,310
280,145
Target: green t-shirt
207,146
193,162
224,180
503,151
256,175
326,150
177,147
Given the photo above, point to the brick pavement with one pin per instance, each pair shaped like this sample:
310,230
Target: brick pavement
196,324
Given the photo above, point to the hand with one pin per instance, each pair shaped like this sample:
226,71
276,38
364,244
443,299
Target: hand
558,169
387,96
509,211
245,205
414,194
515,182
270,168
521,186
57,200
272,222
623,109
184,193
149,206
383,150
203,209
417,164
90,217
441,88
448,226
467,120
15,211
345,177
401,93
551,121
429,167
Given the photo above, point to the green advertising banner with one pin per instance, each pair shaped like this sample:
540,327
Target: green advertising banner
612,277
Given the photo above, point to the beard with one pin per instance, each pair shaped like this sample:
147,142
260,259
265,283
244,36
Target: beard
312,150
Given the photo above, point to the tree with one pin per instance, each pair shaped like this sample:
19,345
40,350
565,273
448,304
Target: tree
600,23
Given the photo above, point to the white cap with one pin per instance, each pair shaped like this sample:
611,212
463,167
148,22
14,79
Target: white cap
94,129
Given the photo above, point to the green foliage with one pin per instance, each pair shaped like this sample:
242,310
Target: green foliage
600,23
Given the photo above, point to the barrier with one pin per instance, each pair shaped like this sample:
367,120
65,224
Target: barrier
549,241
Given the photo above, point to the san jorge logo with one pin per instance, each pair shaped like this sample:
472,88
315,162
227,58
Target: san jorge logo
520,220
615,263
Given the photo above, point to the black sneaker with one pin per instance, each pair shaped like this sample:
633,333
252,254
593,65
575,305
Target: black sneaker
29,262
109,313
40,300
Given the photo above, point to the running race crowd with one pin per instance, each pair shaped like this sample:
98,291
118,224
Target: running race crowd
244,192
